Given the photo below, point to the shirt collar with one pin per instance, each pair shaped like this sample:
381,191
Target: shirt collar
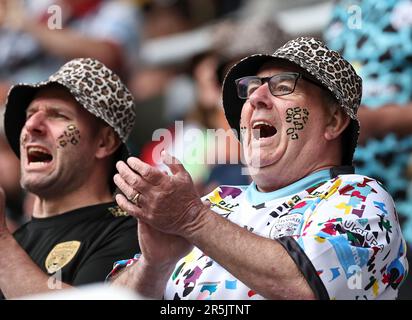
255,196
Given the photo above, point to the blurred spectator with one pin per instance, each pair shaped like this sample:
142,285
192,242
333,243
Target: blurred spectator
376,37
34,43
162,19
151,82
191,141
163,87
229,46
166,17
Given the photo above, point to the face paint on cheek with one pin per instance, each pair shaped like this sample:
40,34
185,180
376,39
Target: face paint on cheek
297,117
70,136
242,133
23,139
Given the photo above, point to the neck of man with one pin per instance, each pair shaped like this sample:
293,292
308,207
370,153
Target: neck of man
284,181
94,191
270,179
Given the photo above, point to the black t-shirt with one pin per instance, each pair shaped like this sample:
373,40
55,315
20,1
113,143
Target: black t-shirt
80,246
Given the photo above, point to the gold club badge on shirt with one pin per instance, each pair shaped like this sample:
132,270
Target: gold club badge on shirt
61,255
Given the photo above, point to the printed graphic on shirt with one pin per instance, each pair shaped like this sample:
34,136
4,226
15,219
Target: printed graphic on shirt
285,226
221,198
346,227
358,241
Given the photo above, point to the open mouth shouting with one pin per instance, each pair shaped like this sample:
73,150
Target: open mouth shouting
38,156
263,130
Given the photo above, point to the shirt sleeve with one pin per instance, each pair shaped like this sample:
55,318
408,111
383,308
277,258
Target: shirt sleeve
350,245
122,264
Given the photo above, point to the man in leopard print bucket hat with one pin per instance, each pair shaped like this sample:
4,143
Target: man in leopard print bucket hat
307,227
324,66
68,132
94,86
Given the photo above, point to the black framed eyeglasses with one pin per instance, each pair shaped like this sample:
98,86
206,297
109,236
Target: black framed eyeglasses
279,84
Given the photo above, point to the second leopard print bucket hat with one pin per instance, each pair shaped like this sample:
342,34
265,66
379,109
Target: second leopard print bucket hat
326,66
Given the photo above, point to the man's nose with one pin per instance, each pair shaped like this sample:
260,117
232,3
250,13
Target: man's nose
35,124
261,97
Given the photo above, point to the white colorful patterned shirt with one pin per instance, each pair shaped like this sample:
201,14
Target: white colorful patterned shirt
342,232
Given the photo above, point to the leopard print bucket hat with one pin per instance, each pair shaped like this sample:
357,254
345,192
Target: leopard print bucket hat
326,66
94,86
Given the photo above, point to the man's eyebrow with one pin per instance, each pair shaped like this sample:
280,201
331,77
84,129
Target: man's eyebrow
54,107
31,108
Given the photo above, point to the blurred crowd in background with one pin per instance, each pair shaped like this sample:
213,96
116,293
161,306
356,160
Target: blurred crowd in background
173,55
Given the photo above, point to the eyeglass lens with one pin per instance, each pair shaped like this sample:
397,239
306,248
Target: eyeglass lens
279,85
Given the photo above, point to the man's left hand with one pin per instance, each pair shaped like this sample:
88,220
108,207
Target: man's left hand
168,203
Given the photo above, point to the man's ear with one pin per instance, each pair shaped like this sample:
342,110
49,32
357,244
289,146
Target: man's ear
338,121
109,141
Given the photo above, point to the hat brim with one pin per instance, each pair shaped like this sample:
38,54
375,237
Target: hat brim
19,98
232,104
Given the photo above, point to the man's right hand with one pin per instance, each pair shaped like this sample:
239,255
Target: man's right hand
160,253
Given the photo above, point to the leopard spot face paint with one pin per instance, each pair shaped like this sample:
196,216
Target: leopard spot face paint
62,143
297,117
23,139
70,136
242,133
